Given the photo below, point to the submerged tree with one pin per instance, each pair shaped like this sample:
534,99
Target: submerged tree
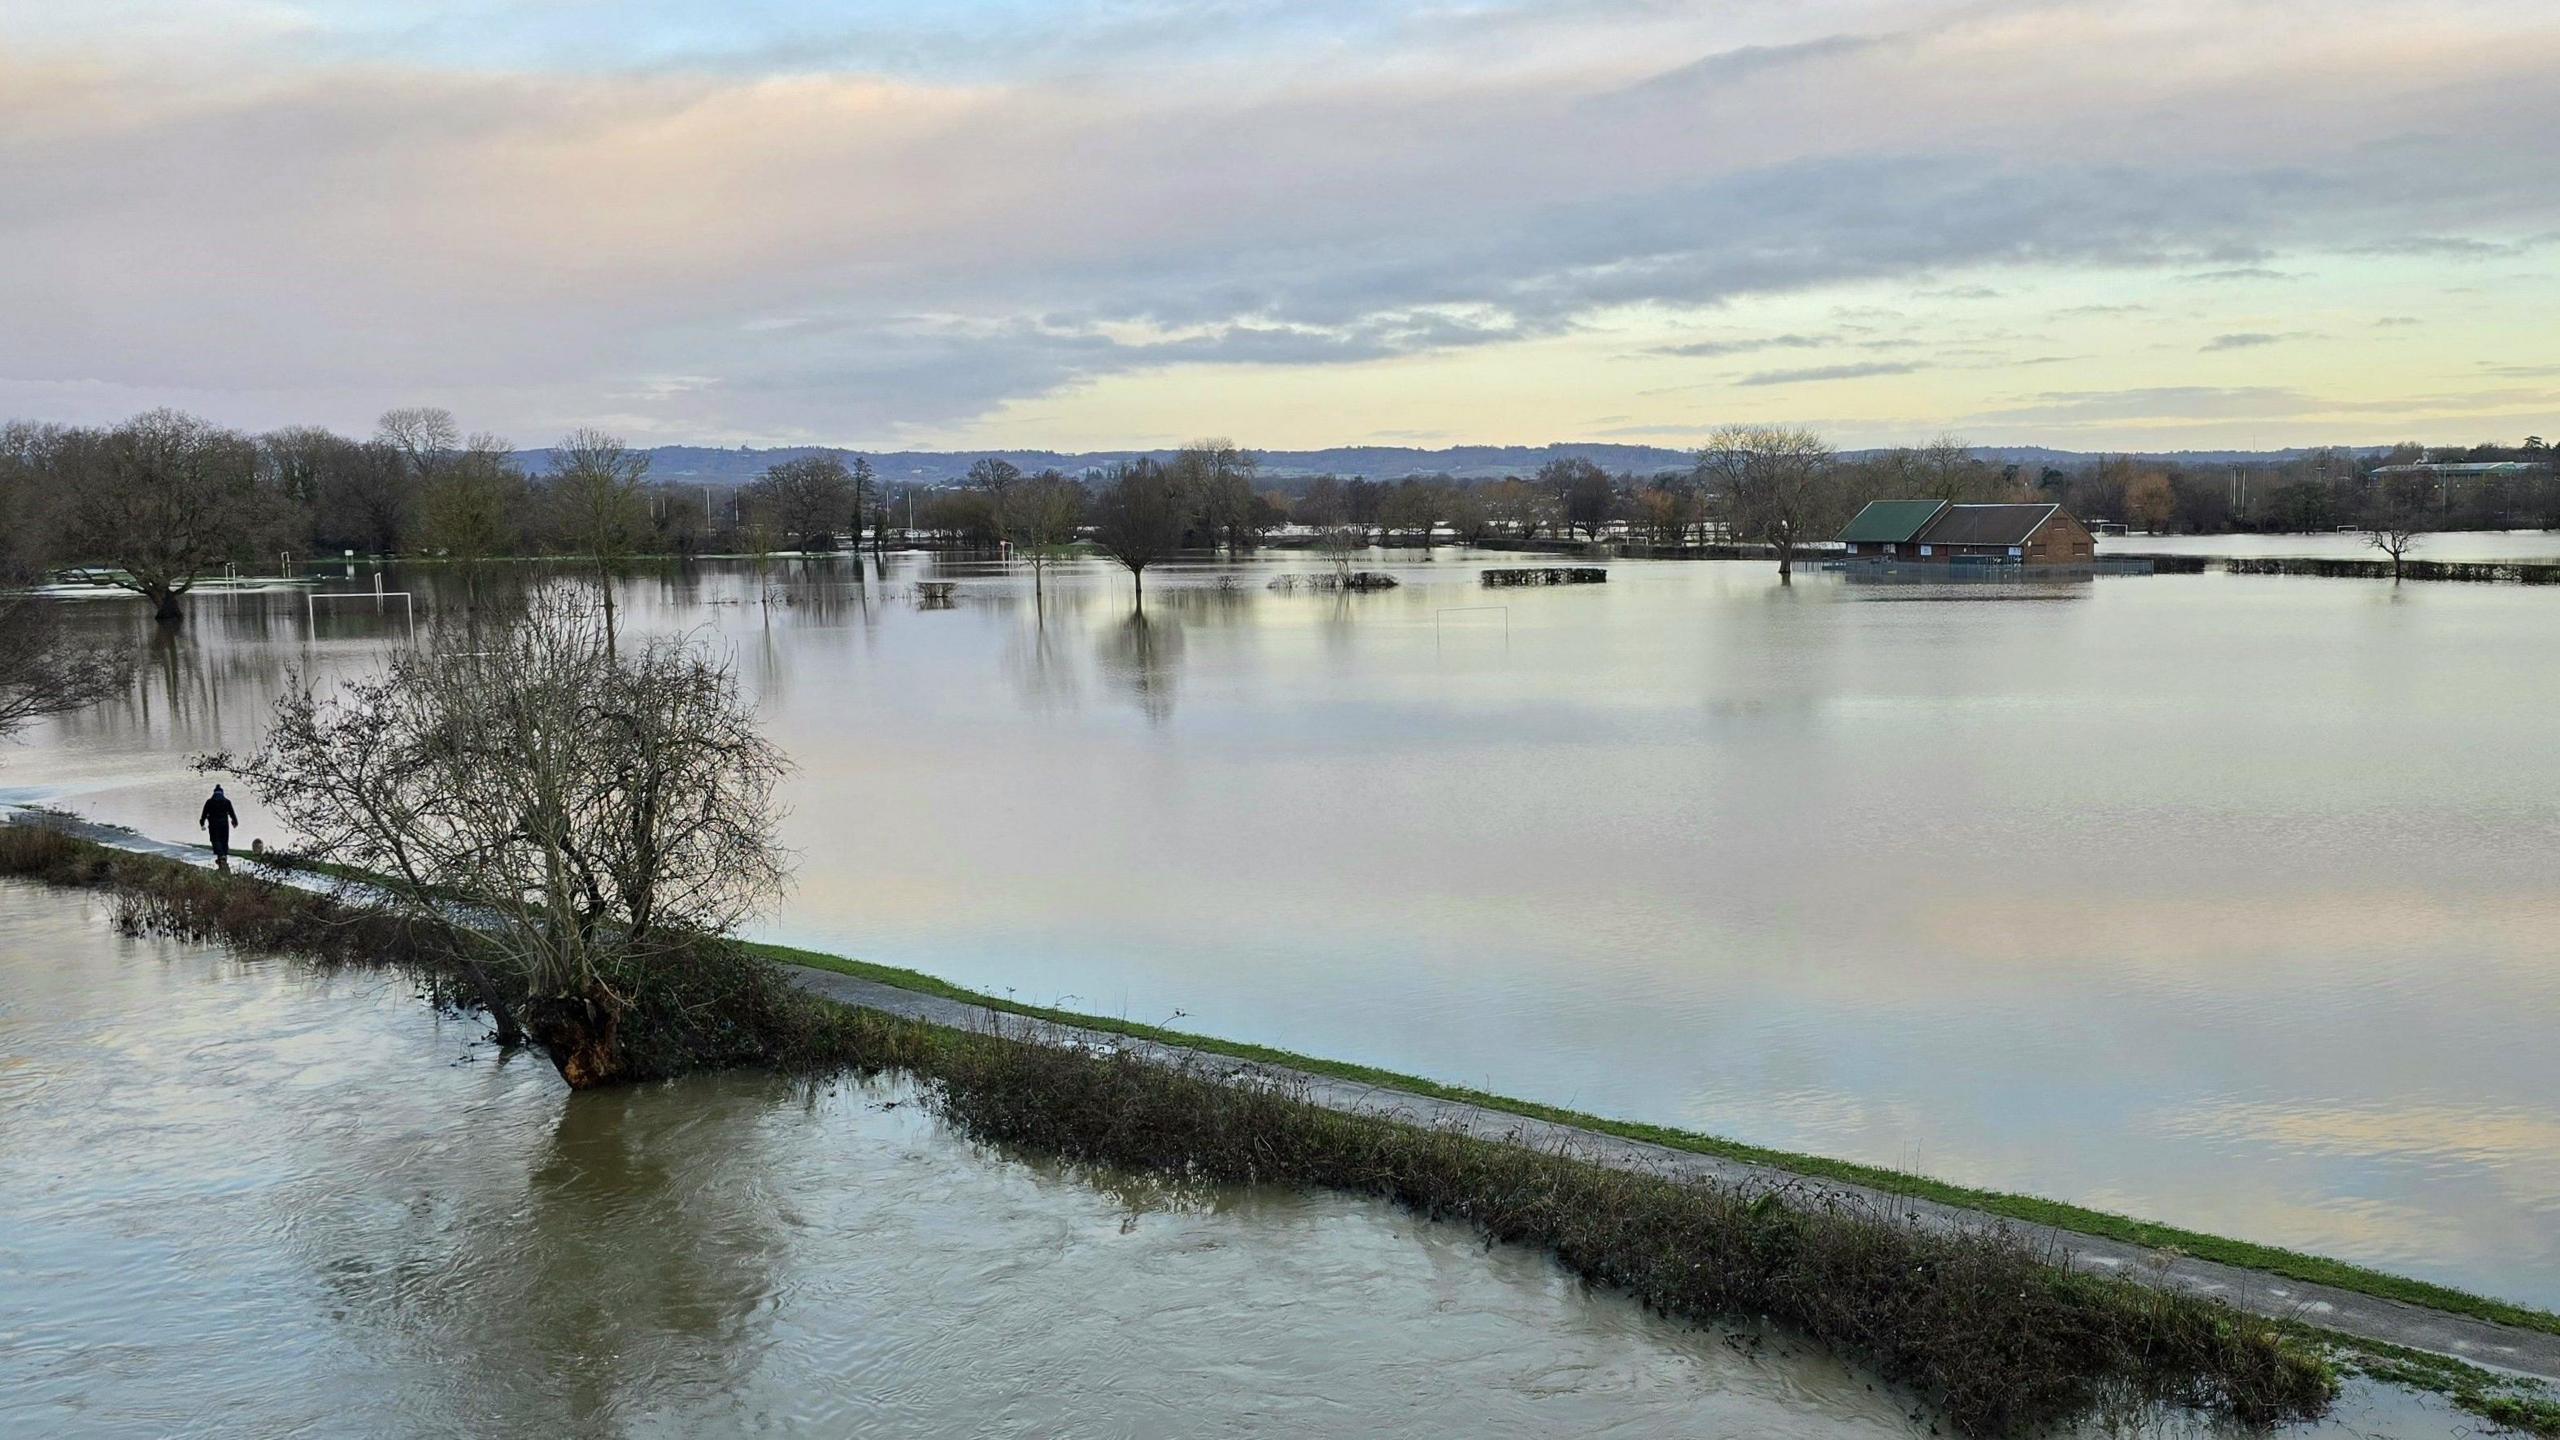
165,498
1776,485
1139,518
592,815
597,502
2395,522
1216,476
807,499
1039,517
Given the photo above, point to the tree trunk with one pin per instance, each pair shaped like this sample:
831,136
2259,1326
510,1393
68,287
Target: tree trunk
582,1035
1786,565
1138,581
164,604
510,1034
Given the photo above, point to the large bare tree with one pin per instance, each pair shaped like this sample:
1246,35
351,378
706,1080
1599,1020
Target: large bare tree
425,437
808,499
1776,485
597,503
1217,475
164,499
1039,516
590,812
2395,519
1139,518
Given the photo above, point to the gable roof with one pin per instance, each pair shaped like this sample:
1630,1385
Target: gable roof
1890,521
1986,524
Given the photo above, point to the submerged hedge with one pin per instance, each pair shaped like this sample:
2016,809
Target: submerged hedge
2510,572
1978,1323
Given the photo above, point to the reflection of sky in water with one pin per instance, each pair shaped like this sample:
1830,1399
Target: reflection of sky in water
235,1199
2123,897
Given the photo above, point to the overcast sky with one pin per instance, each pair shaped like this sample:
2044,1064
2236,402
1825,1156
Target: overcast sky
1102,223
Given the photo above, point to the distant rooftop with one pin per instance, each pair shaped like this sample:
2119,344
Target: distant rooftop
1890,522
1987,524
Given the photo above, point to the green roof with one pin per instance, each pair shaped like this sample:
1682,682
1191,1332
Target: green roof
1891,521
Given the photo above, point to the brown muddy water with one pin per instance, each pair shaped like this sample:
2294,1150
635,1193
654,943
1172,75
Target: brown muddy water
241,1199
2227,901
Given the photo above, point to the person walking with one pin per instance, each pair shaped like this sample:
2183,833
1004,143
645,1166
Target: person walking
216,819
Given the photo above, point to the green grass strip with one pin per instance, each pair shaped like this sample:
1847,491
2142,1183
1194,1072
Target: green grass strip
2270,1259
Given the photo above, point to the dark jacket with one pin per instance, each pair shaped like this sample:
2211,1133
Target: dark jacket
218,814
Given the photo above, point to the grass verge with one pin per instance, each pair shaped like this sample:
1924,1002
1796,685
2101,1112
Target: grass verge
2291,1264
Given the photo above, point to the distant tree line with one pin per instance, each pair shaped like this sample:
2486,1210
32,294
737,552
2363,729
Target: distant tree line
163,500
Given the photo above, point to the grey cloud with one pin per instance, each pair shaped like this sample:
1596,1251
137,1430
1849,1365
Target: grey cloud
2250,339
2436,247
2239,272
1730,66
1705,348
916,259
1812,373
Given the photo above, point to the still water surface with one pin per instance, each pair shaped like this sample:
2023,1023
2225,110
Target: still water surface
237,1198
2223,900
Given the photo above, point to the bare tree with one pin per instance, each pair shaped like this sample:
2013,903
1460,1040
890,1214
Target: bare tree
2395,522
1777,486
866,488
1139,518
592,814
808,499
1413,506
1039,517
164,498
993,476
1342,543
596,501
1217,475
423,436
1582,493
1522,506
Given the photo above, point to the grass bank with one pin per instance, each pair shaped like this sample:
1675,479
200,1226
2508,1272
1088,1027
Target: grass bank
1978,1323
2270,1259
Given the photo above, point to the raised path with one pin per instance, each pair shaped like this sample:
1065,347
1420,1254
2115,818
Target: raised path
2364,1317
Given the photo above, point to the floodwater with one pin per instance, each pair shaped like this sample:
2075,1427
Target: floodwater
239,1198
2448,545
2227,901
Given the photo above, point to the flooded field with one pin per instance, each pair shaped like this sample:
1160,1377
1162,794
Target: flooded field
240,1199
236,1199
2226,901
2351,545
